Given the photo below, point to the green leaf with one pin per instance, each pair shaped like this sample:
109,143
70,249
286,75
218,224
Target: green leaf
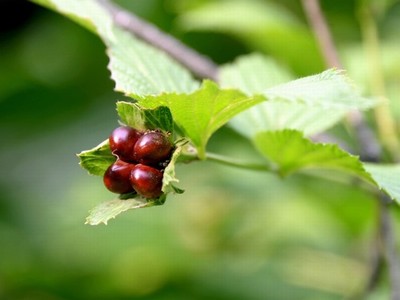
253,73
278,115
136,67
291,152
139,69
89,13
201,113
110,209
329,89
169,177
131,114
387,178
97,160
311,104
159,118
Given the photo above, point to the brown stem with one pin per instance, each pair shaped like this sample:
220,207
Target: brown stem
322,32
199,64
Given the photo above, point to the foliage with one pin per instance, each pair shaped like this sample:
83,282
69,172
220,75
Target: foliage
274,233
141,71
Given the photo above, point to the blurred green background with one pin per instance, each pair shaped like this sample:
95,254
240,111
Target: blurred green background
233,234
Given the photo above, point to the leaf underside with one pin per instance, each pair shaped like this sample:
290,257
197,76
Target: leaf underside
311,104
105,211
387,178
98,159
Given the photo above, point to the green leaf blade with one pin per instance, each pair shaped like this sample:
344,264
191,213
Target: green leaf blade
136,67
90,14
139,69
329,89
97,160
311,104
291,152
159,118
133,115
387,178
201,113
111,209
169,176
253,73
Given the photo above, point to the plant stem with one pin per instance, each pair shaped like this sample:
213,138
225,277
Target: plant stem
322,32
383,117
237,163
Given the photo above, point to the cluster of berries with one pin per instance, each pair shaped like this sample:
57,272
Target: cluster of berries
141,160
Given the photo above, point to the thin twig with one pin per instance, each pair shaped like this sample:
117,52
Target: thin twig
370,150
322,32
199,64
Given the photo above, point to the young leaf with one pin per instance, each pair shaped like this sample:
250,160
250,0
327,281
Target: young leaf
110,209
160,118
136,67
97,160
387,178
169,178
311,104
291,152
131,114
201,113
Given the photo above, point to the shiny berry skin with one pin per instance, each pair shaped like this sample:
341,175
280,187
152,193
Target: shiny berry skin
152,148
122,140
116,178
147,181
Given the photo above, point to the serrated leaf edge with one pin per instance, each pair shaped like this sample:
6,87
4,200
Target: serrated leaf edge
145,203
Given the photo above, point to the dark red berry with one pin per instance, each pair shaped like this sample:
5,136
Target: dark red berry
122,140
152,148
147,181
117,177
